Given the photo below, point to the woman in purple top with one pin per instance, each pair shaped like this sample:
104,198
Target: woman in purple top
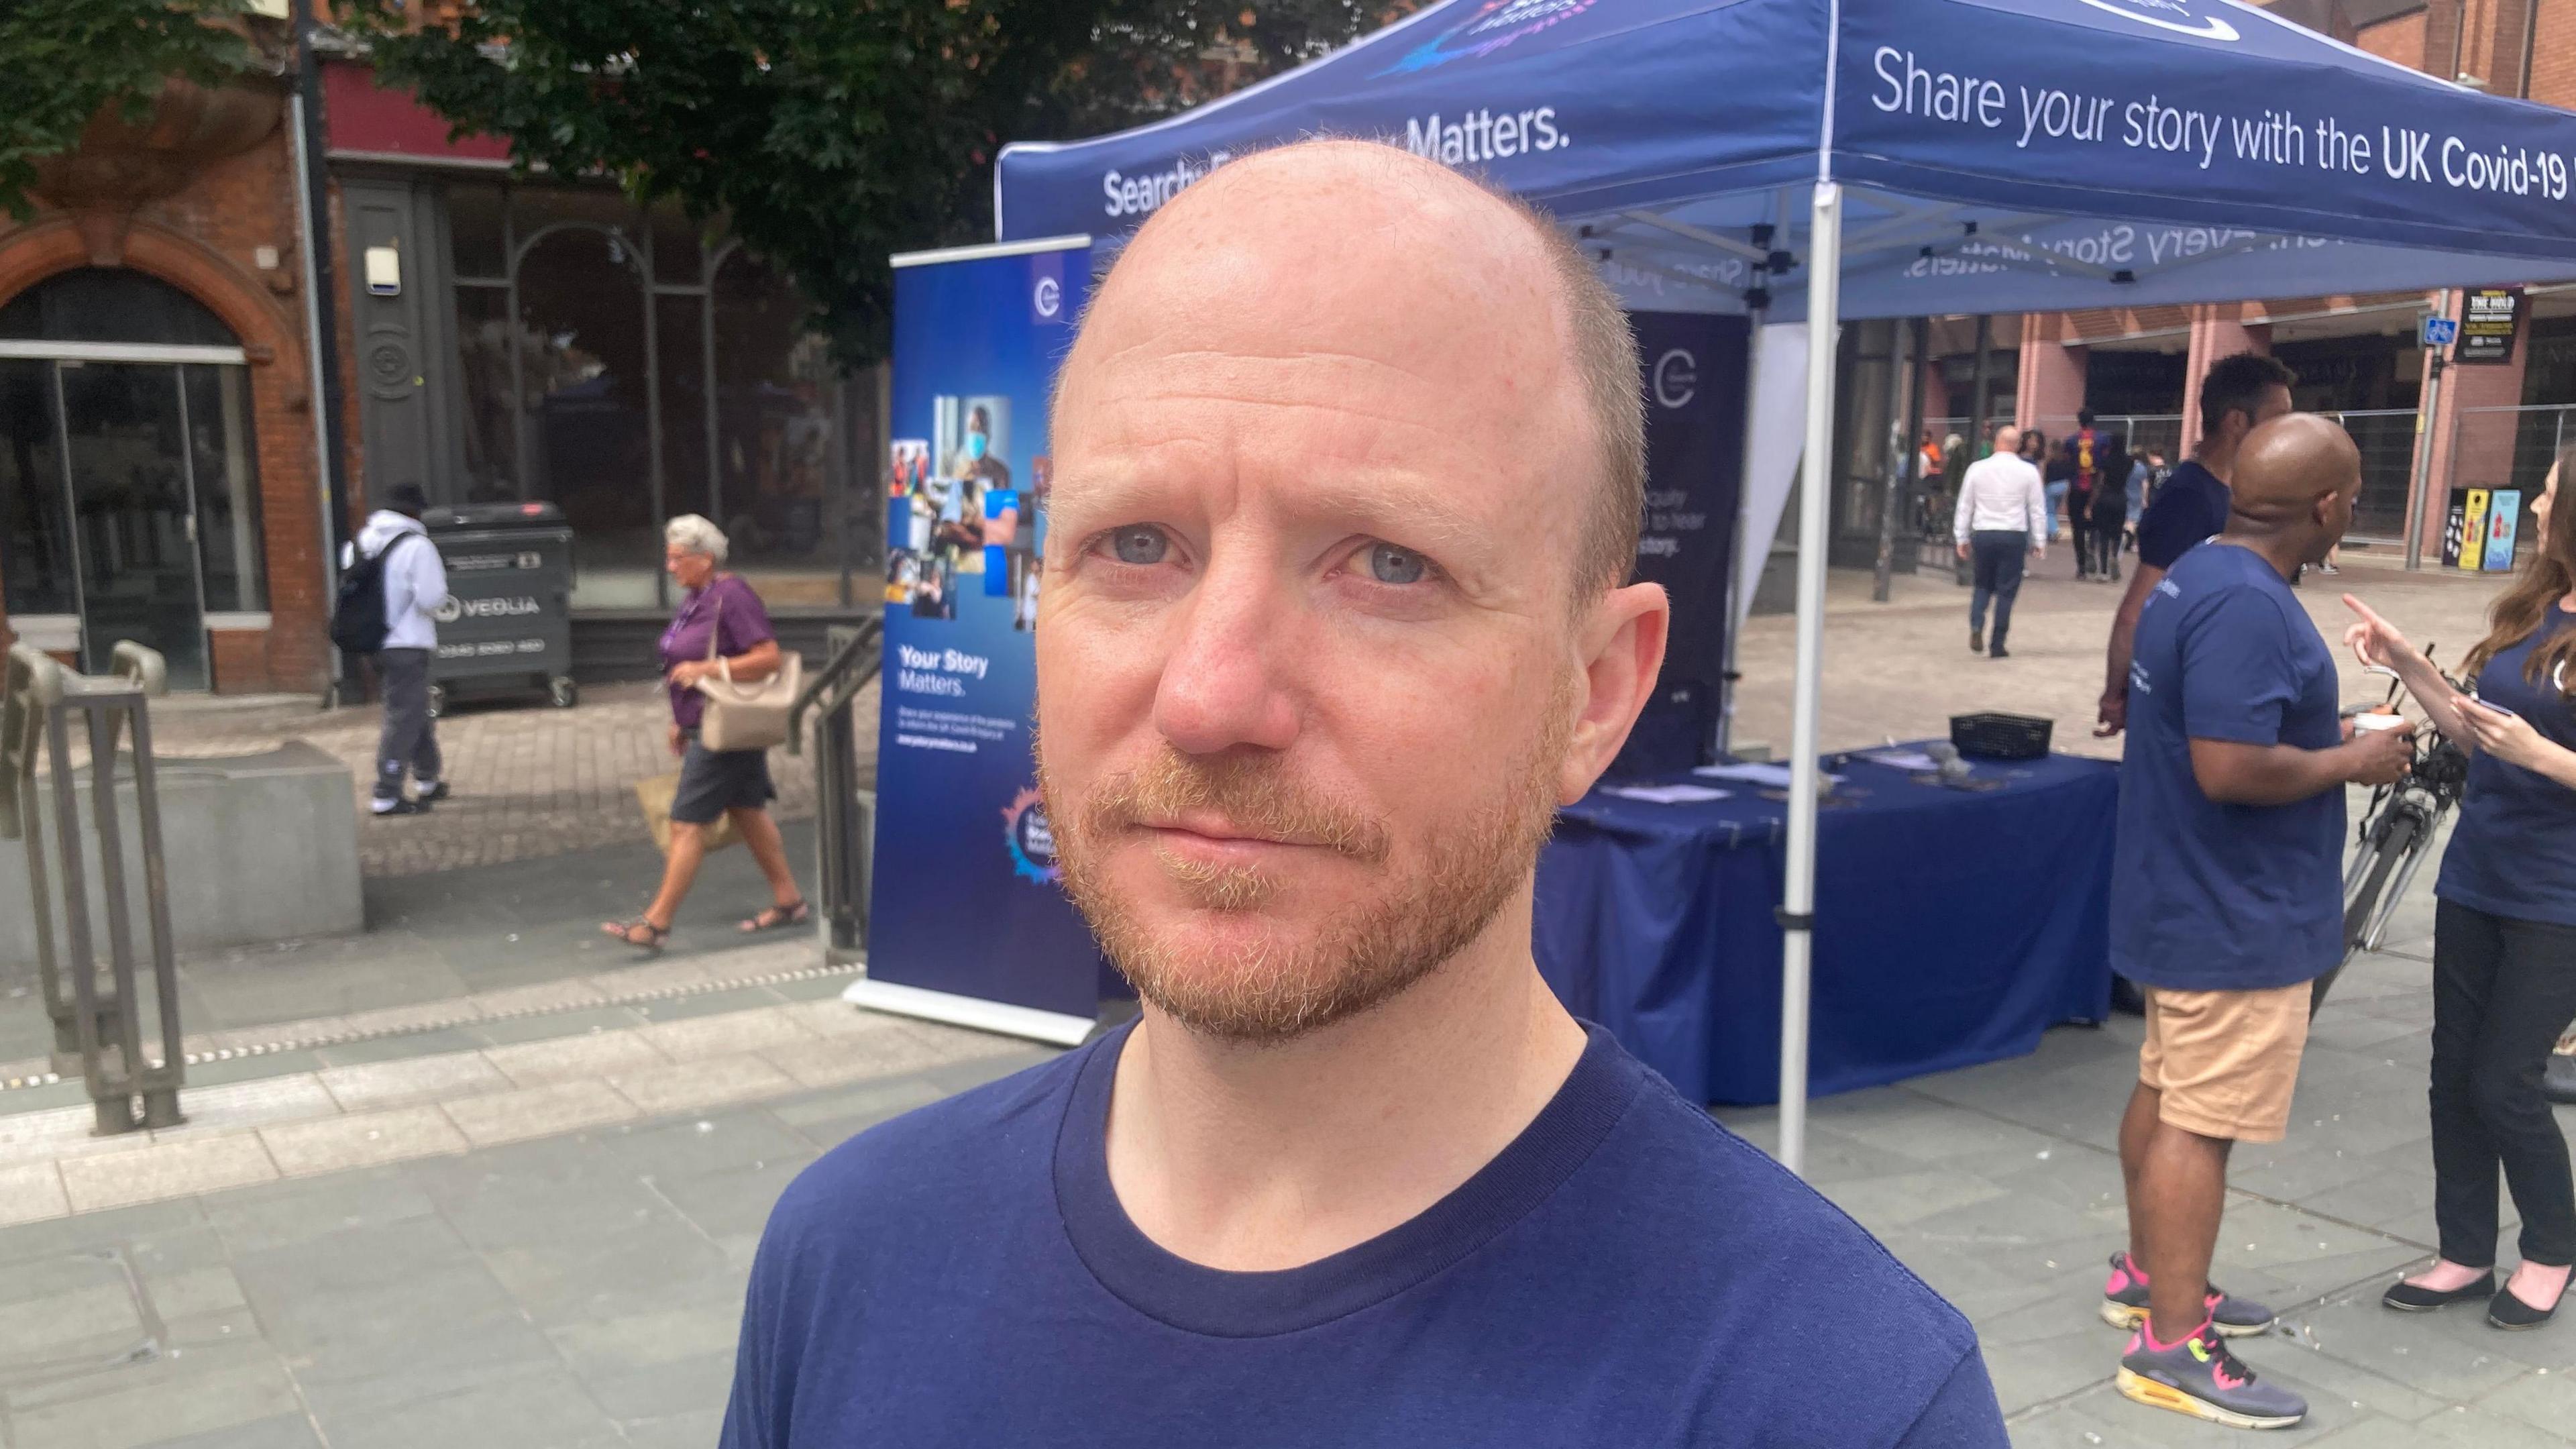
723,617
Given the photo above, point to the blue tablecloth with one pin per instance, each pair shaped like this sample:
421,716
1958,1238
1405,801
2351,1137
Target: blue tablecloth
1952,927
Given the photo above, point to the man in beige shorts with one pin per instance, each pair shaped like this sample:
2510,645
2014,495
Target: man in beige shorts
2229,851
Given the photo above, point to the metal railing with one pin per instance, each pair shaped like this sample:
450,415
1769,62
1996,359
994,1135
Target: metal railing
845,815
98,1023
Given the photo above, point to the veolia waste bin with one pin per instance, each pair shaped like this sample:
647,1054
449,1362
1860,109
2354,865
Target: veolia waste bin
508,620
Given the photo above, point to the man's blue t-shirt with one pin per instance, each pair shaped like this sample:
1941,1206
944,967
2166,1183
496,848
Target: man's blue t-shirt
1626,1273
2190,507
2513,853
2225,897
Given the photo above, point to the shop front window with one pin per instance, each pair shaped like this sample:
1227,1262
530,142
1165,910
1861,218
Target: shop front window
227,482
585,443
628,369
774,425
35,516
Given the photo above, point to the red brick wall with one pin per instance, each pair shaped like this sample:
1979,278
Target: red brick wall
2553,54
2400,40
204,241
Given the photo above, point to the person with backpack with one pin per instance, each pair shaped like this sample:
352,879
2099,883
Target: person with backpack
392,586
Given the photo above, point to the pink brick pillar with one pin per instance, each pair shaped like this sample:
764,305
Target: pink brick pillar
2051,388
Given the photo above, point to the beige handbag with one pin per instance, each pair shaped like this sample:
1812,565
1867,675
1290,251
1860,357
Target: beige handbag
747,716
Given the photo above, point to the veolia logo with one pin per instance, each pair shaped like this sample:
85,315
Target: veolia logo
1489,27
1676,378
2173,15
449,612
1049,297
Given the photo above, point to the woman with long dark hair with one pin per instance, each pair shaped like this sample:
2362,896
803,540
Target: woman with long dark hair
2504,931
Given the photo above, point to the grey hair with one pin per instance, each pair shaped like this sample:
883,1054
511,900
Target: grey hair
691,534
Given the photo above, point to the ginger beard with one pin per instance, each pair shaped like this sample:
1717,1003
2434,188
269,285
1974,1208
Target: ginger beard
1427,905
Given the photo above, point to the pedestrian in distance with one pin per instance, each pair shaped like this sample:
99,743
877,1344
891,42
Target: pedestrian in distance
2002,513
2110,510
721,629
2059,468
2146,470
1313,681
2084,477
2504,929
392,587
2230,833
2052,471
2239,393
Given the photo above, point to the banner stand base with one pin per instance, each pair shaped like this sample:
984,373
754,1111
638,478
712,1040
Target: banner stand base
1055,1028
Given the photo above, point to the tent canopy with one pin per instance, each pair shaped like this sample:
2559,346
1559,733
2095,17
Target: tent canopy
1996,155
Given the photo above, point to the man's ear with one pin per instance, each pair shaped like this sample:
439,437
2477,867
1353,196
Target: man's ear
1621,656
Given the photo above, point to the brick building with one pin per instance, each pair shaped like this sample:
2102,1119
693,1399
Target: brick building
159,476
500,341
2357,356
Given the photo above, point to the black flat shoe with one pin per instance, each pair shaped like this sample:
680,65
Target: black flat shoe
2512,1314
2405,1297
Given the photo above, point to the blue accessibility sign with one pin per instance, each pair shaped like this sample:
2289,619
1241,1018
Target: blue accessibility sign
2441,331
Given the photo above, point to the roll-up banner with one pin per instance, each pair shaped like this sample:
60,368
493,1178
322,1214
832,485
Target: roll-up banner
1692,368
966,922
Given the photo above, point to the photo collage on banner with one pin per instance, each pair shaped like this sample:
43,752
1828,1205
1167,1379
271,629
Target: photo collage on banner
967,922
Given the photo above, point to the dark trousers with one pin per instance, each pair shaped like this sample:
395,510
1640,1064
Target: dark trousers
409,739
2502,992
2102,552
1997,553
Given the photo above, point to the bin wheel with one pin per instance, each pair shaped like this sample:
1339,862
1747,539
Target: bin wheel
563,692
437,700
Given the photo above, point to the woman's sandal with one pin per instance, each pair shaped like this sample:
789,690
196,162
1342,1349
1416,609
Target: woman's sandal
778,918
639,933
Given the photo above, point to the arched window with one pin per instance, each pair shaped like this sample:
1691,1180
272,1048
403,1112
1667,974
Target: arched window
623,364
129,490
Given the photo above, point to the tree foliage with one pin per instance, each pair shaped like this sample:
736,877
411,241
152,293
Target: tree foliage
829,133
62,60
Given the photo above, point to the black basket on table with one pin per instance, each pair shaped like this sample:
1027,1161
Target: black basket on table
1994,736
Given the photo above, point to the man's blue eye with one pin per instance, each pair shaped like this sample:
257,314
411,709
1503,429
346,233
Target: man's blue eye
1139,544
1389,564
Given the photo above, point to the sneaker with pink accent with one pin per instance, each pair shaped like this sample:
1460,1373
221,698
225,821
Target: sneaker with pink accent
2124,1302
2200,1377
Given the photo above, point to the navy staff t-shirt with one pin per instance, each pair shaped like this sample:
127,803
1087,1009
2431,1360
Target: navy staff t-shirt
1626,1273
2225,897
2513,853
2190,507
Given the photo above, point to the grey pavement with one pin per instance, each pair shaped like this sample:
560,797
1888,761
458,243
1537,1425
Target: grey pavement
442,936
530,781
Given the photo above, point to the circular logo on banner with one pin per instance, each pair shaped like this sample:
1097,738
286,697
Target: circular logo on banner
1050,296
1676,378
1024,825
2173,15
449,612
1489,27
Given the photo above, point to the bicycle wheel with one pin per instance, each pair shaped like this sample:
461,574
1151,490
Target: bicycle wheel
2385,854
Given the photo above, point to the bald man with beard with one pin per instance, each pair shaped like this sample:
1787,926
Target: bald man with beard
1327,641
2230,848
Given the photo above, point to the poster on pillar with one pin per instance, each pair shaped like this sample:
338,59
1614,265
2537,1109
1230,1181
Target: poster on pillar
966,921
1692,367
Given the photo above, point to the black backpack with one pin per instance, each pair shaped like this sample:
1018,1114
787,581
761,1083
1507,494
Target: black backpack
358,622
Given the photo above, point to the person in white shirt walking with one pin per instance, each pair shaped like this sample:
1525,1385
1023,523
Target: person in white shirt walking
2003,510
415,589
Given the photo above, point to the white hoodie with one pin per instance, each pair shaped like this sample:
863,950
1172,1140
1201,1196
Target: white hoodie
415,579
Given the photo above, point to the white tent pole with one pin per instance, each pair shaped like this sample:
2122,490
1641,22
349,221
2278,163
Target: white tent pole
1815,484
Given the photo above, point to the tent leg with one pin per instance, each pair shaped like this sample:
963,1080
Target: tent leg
1798,897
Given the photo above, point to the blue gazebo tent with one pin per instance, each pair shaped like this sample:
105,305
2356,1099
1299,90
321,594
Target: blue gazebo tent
1951,156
